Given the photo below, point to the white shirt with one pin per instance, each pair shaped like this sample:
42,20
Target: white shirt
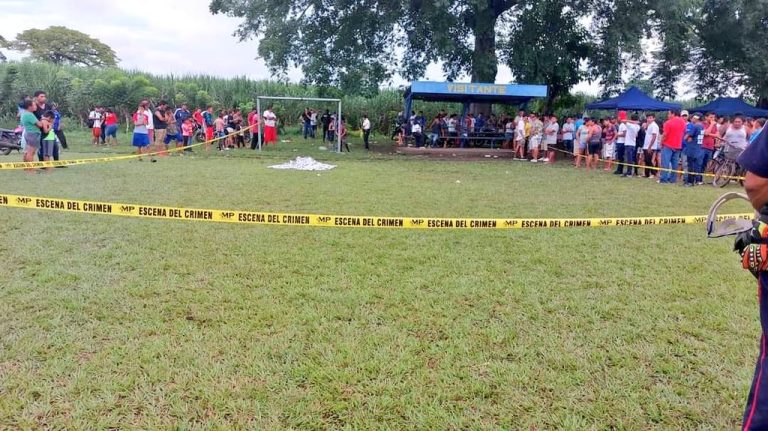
151,119
550,133
520,129
622,129
631,138
416,128
583,133
366,124
452,125
652,137
96,117
270,119
568,132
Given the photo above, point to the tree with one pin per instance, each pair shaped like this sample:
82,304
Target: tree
729,54
547,45
60,45
356,45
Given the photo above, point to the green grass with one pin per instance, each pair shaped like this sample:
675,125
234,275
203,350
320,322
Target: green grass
151,324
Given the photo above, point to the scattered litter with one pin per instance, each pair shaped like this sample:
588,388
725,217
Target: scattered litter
487,156
285,141
304,164
458,182
495,157
322,148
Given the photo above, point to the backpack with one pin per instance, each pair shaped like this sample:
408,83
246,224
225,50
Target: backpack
90,123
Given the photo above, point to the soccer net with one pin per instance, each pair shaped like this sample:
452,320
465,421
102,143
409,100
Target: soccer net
268,99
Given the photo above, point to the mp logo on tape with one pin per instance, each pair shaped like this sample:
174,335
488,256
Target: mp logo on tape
287,219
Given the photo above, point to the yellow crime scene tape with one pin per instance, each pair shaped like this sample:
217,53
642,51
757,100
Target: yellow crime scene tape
659,169
55,163
321,220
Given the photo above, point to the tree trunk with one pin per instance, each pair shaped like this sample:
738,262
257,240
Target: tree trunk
484,61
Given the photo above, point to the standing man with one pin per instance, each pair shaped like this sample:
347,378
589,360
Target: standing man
325,120
672,143
270,126
366,131
621,138
41,102
753,247
57,129
150,119
161,125
630,143
537,137
651,146
693,142
94,117
550,139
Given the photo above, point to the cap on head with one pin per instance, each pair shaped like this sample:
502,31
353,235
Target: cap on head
622,115
683,113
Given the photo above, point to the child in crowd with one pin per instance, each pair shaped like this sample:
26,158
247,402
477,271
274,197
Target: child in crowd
220,132
49,137
186,134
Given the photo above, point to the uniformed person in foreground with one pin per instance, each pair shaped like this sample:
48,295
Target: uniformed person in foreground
753,247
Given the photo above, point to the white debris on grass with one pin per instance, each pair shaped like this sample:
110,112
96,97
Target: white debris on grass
304,164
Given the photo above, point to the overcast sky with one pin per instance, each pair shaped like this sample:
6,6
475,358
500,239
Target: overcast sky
163,36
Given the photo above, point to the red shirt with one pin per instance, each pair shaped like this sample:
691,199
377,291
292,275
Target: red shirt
198,116
674,129
110,119
253,118
708,142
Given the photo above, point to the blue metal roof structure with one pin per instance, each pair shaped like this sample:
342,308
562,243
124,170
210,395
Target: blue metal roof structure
731,106
467,93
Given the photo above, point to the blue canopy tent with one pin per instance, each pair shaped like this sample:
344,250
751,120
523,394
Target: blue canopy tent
731,106
633,100
467,93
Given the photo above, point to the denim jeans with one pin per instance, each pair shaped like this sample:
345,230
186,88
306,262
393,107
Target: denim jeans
669,160
619,157
705,156
307,130
630,153
692,152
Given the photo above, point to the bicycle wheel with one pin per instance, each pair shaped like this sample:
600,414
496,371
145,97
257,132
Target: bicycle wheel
723,174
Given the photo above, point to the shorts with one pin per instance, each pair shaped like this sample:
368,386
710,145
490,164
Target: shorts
534,143
111,131
582,145
160,135
546,145
140,140
32,139
609,150
171,137
208,133
509,136
594,149
48,146
230,130
96,132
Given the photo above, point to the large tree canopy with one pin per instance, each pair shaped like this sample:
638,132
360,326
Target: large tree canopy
60,45
358,44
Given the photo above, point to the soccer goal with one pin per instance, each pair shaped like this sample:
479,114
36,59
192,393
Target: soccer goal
300,99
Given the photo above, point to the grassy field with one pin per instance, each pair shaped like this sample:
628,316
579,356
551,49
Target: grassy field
150,324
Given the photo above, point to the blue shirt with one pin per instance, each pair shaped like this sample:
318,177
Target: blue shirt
578,124
692,130
755,158
181,115
56,119
208,118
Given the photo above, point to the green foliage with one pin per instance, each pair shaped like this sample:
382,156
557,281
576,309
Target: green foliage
547,45
60,45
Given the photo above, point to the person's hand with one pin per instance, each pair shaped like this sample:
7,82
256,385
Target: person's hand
753,248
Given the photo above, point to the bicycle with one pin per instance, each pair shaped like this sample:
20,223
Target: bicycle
726,168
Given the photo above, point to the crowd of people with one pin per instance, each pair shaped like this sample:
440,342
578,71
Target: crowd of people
682,142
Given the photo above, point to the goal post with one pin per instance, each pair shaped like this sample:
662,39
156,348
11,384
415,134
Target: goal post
300,99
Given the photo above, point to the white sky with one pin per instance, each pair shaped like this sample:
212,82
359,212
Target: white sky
165,36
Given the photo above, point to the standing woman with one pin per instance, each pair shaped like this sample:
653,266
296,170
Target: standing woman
32,127
270,126
594,141
110,123
140,131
